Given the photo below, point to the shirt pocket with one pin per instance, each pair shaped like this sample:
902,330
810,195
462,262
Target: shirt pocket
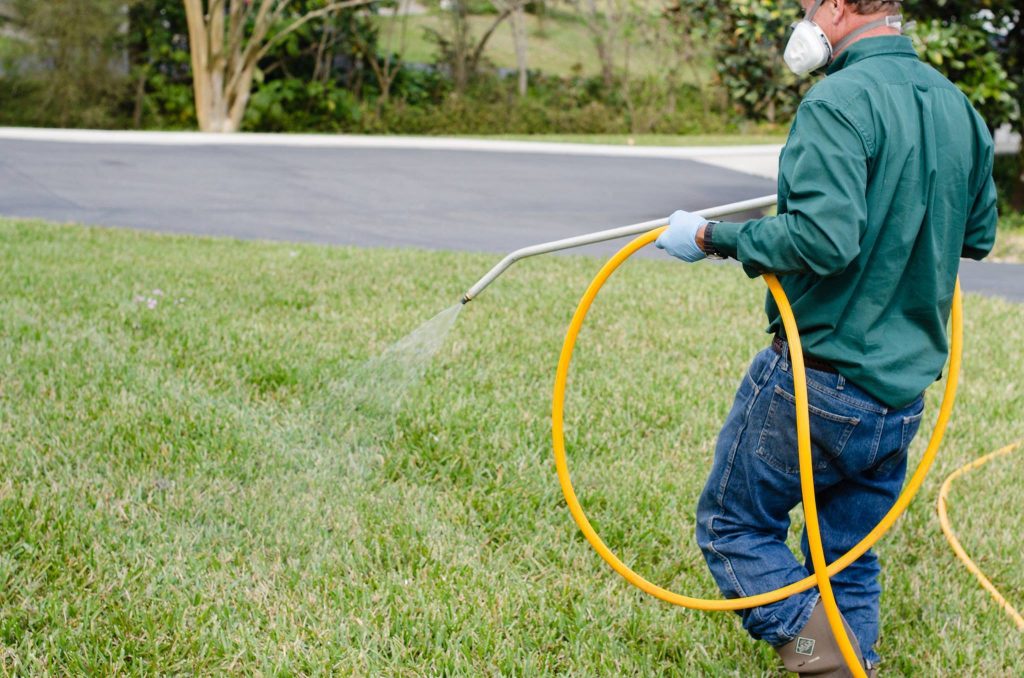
830,431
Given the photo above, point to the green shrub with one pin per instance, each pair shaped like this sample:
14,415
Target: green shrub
161,67
553,106
69,69
166,103
1006,171
1011,221
751,38
963,54
292,104
458,115
17,93
418,86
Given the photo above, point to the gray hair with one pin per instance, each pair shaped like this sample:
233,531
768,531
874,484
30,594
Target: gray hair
875,6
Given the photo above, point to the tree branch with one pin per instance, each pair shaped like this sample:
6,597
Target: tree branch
197,41
215,30
266,16
478,52
309,16
237,13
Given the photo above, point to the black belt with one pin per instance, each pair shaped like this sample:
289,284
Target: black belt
809,362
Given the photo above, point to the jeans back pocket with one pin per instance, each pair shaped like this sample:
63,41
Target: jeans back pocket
908,429
830,432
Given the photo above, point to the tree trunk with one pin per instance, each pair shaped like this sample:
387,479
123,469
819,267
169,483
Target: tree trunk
612,24
385,74
602,31
227,39
607,65
202,86
519,38
140,96
540,10
461,65
1017,196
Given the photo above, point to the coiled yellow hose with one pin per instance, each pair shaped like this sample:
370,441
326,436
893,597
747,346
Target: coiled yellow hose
822,573
947,530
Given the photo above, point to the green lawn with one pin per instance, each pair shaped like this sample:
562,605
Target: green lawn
182,489
1010,239
558,45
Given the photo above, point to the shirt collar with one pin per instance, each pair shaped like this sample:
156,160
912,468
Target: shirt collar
894,45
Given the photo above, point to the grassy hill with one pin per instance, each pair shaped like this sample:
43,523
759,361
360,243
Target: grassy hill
558,44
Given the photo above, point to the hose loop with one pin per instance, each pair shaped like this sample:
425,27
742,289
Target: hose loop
822,573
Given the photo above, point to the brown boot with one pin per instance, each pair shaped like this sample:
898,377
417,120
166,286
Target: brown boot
815,652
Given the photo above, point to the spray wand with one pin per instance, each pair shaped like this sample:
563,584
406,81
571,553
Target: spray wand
602,236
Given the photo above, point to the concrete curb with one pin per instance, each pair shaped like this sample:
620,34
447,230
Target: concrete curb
82,136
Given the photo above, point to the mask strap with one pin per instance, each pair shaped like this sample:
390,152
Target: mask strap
814,9
892,21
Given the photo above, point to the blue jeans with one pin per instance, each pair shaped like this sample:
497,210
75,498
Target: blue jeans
859,448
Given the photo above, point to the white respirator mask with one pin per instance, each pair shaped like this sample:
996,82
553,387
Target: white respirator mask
809,48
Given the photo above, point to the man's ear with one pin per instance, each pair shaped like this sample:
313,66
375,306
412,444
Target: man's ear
839,11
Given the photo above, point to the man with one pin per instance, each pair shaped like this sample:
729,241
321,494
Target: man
884,183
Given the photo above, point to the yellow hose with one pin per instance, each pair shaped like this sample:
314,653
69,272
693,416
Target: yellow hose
822,573
955,543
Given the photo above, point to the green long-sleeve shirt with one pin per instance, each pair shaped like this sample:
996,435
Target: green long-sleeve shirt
884,183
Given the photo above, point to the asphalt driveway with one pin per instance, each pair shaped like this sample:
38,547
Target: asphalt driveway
434,197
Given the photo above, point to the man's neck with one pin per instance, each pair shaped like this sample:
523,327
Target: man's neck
873,33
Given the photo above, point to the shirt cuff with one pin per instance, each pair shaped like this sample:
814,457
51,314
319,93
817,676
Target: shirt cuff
725,237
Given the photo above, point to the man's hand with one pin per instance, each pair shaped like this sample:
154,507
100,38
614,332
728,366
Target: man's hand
680,238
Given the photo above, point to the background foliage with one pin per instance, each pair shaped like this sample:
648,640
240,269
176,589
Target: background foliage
751,36
681,67
85,62
63,63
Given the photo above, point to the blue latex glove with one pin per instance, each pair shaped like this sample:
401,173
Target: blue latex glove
680,238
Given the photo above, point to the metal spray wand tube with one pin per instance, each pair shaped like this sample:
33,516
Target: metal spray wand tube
601,236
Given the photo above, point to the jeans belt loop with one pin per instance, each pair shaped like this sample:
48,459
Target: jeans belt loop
781,347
